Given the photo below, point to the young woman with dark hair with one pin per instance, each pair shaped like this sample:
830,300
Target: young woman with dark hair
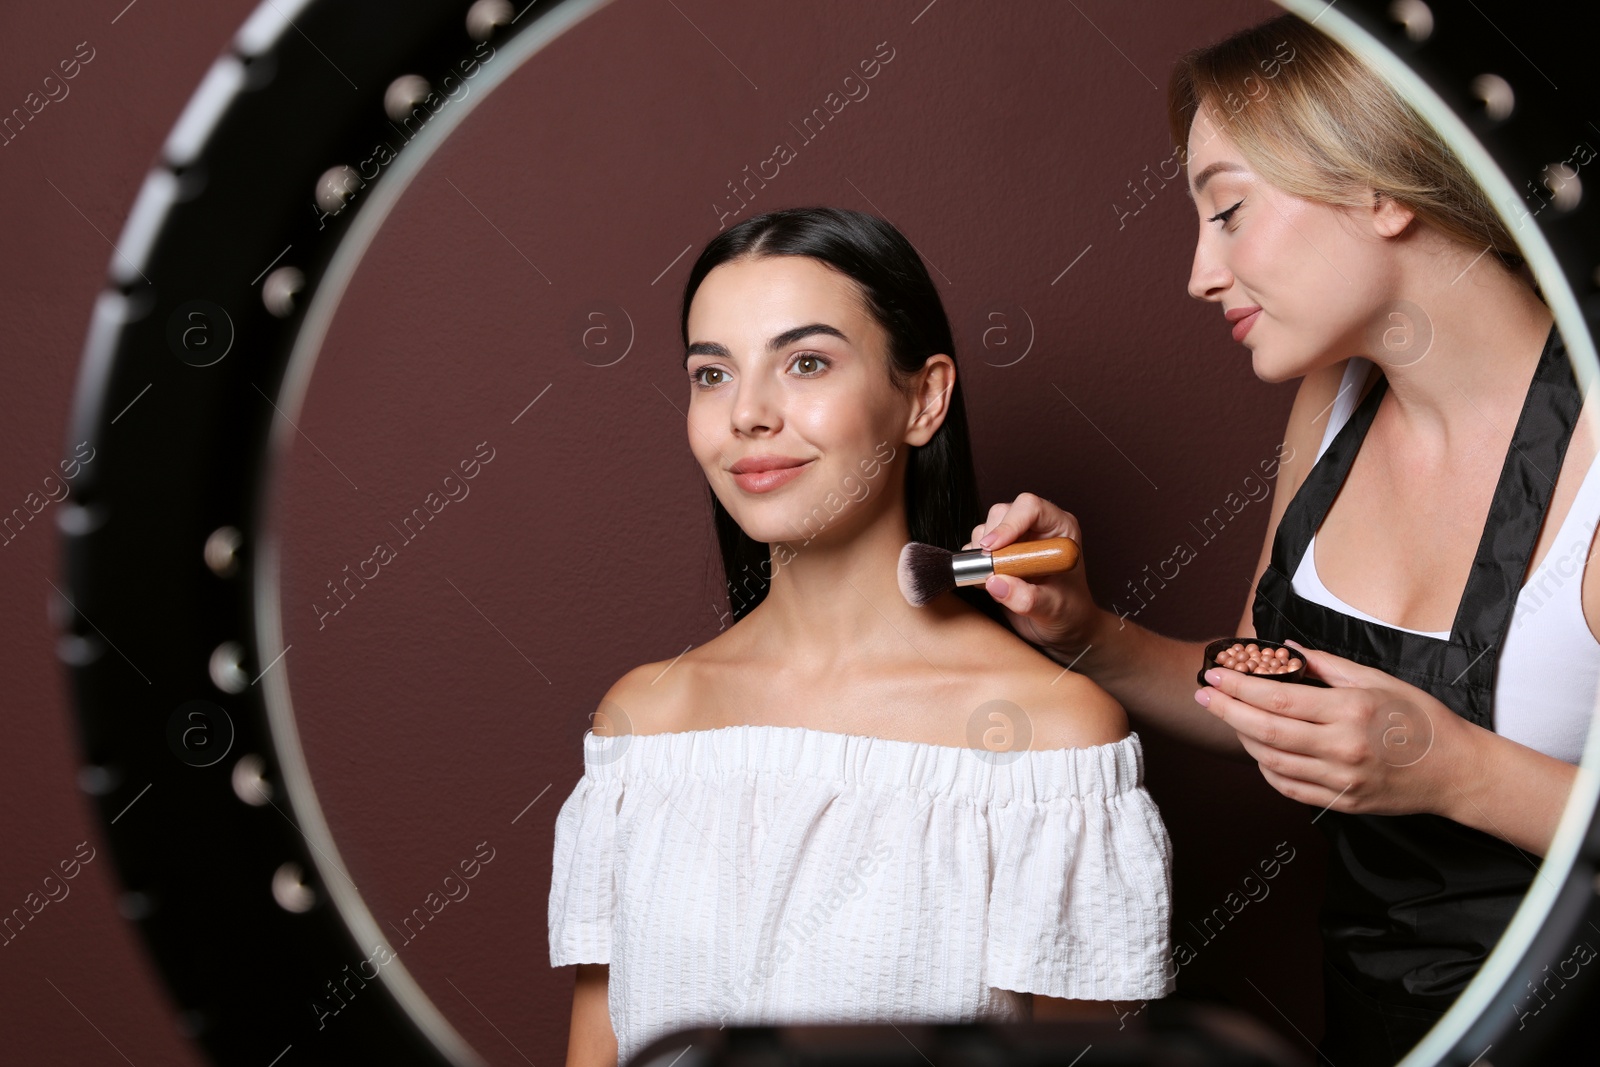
843,808
941,487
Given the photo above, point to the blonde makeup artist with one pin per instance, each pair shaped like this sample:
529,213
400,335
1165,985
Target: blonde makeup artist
1428,536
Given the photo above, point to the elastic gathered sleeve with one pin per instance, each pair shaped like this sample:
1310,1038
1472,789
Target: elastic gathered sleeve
1081,902
581,875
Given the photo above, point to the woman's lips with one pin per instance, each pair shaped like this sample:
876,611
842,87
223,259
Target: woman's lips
766,481
1241,325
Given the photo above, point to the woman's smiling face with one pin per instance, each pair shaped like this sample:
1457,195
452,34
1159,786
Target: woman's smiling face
785,362
1320,274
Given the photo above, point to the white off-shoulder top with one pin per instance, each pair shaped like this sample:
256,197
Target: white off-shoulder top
769,874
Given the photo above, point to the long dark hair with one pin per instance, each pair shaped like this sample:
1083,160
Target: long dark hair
942,504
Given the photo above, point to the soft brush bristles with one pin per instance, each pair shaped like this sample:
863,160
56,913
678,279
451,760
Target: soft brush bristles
925,572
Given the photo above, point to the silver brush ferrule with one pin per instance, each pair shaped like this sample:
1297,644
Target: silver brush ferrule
972,567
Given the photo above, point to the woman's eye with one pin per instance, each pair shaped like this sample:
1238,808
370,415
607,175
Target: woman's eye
810,366
1224,216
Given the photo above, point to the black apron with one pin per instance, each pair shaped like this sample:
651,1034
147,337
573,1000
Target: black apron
1415,903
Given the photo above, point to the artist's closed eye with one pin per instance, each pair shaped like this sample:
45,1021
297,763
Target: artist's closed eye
1224,216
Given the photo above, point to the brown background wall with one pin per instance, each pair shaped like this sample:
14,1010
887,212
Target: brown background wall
454,689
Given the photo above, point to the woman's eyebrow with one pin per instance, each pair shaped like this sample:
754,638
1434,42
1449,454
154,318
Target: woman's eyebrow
789,337
1205,175
782,340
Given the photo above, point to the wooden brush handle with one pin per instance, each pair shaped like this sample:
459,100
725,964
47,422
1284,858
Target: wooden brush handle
1029,559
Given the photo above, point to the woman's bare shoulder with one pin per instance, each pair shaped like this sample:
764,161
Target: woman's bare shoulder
651,698
1060,708
1070,710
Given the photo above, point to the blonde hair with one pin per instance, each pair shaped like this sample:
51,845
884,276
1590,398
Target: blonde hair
1318,123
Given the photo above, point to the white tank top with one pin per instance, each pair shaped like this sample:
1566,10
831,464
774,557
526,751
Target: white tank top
1549,673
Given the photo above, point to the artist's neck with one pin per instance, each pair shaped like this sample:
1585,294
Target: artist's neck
1488,330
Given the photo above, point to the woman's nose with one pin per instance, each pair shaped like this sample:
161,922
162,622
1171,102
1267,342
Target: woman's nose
756,407
1208,278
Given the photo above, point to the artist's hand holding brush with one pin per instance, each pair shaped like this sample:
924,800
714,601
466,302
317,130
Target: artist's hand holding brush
1055,611
1150,675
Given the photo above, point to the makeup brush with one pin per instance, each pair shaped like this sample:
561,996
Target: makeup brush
927,571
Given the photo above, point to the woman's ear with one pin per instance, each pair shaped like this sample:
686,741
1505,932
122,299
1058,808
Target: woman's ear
1389,216
930,391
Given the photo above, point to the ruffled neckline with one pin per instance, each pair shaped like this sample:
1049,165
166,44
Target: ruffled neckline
1030,775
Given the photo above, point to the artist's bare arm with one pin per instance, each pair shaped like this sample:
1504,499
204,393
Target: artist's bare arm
590,1041
1151,675
1519,794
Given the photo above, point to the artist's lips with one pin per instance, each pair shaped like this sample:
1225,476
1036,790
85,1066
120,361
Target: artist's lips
762,474
1242,319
